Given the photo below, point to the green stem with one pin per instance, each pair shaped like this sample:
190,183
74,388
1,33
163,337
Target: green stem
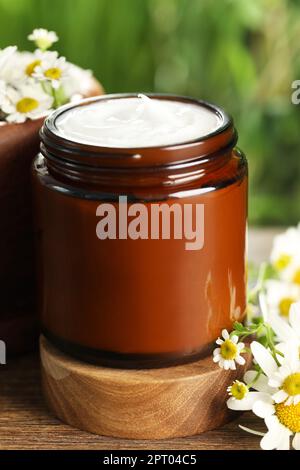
271,344
259,283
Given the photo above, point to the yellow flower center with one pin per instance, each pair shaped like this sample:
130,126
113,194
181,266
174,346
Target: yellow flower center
26,104
238,390
289,416
291,385
284,305
228,350
30,67
282,262
53,73
296,277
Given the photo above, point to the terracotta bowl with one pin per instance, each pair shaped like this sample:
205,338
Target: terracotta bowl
19,143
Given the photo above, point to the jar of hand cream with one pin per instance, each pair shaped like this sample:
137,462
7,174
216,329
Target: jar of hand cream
141,205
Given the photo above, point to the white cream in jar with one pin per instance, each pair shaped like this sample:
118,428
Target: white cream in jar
137,122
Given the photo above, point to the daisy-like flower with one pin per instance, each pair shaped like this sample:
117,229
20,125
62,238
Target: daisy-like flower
292,272
34,60
228,352
280,410
242,398
282,421
279,296
287,331
285,247
53,69
29,101
284,377
13,72
43,38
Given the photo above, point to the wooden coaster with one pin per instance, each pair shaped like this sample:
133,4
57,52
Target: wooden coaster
137,404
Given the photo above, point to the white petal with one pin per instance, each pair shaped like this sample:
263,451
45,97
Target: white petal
263,358
289,401
283,371
269,441
271,421
296,441
240,346
240,360
219,341
216,351
294,317
232,365
275,381
225,334
284,443
246,403
281,328
234,338
297,400
217,358
264,407
291,359
280,396
261,384
263,306
276,437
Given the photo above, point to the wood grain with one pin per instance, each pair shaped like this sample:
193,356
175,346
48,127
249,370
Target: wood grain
137,404
26,423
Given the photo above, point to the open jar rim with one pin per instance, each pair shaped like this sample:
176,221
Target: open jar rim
55,145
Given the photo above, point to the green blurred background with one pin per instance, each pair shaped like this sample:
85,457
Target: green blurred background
241,54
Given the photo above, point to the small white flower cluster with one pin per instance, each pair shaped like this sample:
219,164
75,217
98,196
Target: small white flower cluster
272,393
32,84
272,390
228,352
284,287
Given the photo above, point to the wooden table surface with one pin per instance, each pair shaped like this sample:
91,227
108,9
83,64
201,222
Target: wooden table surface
25,422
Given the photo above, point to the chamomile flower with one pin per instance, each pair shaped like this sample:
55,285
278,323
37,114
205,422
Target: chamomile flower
241,397
43,38
292,272
31,61
13,71
282,421
287,331
52,69
279,296
228,352
285,247
29,101
284,376
238,390
280,410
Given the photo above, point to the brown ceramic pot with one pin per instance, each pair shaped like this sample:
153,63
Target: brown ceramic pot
19,143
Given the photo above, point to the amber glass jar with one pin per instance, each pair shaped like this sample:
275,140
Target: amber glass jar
143,302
